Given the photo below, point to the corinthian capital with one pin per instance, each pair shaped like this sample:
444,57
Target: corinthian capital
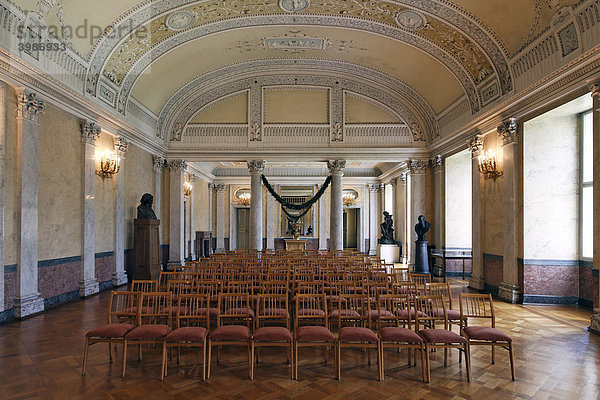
476,146
595,90
417,166
28,106
256,166
90,131
158,162
336,166
177,166
121,145
437,163
508,131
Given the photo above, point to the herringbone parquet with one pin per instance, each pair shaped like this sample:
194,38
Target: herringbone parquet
556,358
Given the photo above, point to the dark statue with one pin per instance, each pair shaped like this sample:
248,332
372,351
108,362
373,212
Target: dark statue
387,230
421,228
144,210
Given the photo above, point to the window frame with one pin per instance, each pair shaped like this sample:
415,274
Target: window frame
582,184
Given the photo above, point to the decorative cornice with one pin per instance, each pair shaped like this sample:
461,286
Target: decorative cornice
256,166
158,162
437,163
28,106
336,167
177,166
121,145
90,131
508,131
476,146
417,167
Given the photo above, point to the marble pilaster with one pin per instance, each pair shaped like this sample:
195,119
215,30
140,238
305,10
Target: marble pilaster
119,276
477,280
322,221
403,210
220,216
256,167
595,90
418,197
2,189
28,300
210,207
271,221
439,201
176,213
192,231
395,213
509,289
158,163
336,169
380,204
373,218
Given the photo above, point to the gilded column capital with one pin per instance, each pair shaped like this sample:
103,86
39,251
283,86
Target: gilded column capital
437,163
90,131
476,146
177,166
158,162
417,167
336,167
256,166
508,131
28,106
121,145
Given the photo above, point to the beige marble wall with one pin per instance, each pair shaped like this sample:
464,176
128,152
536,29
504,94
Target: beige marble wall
493,198
11,203
139,179
458,200
165,202
429,206
60,185
104,202
201,211
551,174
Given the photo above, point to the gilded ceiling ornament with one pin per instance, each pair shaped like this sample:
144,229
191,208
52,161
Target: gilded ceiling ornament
294,5
409,19
180,20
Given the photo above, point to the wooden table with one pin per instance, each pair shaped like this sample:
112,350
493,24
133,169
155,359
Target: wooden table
295,244
452,255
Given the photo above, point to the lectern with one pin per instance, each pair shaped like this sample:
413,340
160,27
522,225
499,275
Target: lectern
147,249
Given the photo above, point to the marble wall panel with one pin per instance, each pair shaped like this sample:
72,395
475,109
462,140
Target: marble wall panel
587,287
139,179
60,185
10,288
493,199
165,203
458,200
11,203
105,266
201,211
104,200
456,266
58,279
429,206
551,280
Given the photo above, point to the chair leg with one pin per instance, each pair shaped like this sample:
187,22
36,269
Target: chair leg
423,362
295,361
445,357
409,356
290,351
427,364
85,355
379,362
338,360
209,345
512,360
140,352
109,351
493,354
204,360
382,372
124,359
468,361
163,370
251,360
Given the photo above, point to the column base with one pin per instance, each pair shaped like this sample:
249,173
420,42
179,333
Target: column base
88,287
476,282
595,322
175,263
119,278
510,293
28,305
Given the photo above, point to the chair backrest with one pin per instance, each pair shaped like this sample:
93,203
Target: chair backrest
352,310
192,310
440,289
145,285
433,309
165,277
477,306
212,288
123,306
401,273
393,310
311,308
179,287
420,280
234,308
275,287
272,308
154,308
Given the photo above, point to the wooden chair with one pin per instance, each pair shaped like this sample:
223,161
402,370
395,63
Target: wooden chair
481,307
233,325
438,338
443,289
144,285
311,309
122,307
420,280
192,329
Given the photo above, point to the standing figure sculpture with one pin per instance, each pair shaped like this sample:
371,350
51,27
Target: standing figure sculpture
421,228
144,210
387,229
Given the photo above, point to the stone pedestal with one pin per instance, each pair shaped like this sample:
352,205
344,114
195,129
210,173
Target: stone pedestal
147,251
28,305
295,244
595,322
421,257
476,282
510,293
388,252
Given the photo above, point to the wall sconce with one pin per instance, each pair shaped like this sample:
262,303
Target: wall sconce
244,199
348,198
487,165
187,188
110,164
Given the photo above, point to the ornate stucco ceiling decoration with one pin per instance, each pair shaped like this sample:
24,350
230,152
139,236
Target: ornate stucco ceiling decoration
186,103
438,28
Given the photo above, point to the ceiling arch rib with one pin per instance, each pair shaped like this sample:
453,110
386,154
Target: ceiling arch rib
181,108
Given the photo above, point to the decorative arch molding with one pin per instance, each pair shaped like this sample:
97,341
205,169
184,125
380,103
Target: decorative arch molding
407,104
481,39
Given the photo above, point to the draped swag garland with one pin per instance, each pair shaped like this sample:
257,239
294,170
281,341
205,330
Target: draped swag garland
286,204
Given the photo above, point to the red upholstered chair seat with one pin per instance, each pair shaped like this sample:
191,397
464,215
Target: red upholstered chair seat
145,310
184,310
441,336
314,334
231,332
274,312
404,313
357,334
384,313
272,334
399,334
110,331
212,312
187,334
453,315
148,332
311,311
345,313
486,333
240,311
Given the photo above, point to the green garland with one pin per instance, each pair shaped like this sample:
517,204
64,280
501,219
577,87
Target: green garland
286,204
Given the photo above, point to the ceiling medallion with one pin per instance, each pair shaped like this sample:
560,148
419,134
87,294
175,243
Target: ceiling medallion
294,5
180,20
410,20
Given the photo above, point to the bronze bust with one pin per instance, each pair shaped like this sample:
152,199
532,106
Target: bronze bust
421,228
144,210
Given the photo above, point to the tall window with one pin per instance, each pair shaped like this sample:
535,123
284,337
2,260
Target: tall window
586,189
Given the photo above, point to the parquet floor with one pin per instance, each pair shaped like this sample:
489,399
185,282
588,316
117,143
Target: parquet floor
556,358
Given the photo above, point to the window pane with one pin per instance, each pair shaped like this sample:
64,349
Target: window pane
588,159
587,230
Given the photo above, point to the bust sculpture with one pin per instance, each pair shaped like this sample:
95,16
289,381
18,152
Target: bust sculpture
387,229
421,228
144,210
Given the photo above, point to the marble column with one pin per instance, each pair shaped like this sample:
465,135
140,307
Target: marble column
336,169
2,173
322,221
119,276
176,215
373,218
192,231
88,284
210,207
595,90
158,164
395,213
220,216
439,218
380,203
256,168
402,201
28,300
477,280
509,289
271,220
417,202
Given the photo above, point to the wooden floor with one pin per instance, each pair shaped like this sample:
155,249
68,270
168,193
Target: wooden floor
556,358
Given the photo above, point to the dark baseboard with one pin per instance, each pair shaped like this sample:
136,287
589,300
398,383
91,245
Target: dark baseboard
543,299
491,289
7,315
61,298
